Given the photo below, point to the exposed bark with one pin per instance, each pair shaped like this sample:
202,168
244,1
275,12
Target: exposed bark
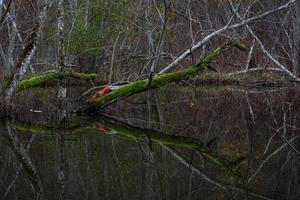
111,70
1,6
250,55
12,18
222,30
60,35
61,66
159,80
296,39
25,58
263,48
2,16
12,38
255,70
160,43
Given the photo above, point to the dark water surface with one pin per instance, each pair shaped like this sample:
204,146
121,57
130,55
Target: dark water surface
204,143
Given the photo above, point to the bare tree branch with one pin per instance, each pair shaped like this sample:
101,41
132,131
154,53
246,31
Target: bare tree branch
222,30
26,55
264,50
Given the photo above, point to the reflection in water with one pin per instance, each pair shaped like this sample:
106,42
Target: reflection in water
20,152
196,151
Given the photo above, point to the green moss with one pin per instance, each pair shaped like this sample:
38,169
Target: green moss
40,130
42,78
158,80
124,130
127,89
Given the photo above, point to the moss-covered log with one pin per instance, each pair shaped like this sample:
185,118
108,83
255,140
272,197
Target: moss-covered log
39,79
159,80
107,126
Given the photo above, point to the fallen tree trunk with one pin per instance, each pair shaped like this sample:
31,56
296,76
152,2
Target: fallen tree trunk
39,79
159,80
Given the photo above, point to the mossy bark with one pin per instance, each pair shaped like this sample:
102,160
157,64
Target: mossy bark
125,130
39,79
158,80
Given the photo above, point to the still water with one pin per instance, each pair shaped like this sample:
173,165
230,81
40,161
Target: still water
183,143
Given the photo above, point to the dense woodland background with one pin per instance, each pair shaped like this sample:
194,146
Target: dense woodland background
185,140
128,39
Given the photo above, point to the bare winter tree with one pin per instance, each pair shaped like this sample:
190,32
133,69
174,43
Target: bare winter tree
296,39
150,36
1,6
25,57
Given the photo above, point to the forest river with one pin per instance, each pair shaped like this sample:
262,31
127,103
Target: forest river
194,143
